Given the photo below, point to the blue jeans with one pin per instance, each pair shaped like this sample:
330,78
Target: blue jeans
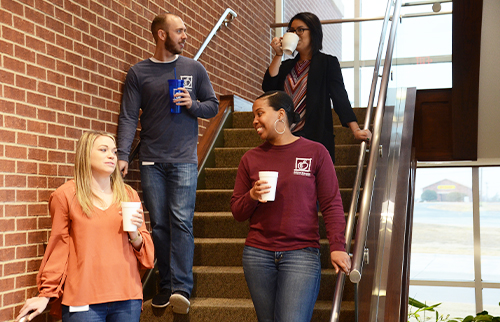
106,312
283,285
169,191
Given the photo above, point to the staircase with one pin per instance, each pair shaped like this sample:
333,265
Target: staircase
220,292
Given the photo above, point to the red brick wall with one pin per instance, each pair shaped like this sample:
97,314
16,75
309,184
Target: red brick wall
62,65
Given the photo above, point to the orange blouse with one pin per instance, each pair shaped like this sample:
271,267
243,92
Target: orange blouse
91,259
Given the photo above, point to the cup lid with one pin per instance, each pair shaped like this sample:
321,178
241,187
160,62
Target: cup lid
268,173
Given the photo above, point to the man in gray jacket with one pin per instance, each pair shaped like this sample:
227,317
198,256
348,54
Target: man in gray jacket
168,159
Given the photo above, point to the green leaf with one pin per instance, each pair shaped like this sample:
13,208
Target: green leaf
433,306
415,303
483,318
468,318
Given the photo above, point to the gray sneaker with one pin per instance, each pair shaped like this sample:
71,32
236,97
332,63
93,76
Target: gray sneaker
180,303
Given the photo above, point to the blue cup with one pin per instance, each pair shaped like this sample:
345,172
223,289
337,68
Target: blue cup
173,85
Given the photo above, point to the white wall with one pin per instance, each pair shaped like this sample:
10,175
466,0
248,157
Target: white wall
489,85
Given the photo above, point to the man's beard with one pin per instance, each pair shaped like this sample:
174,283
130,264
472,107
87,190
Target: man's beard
171,46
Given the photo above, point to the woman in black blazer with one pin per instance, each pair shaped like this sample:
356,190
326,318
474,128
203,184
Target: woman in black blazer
314,81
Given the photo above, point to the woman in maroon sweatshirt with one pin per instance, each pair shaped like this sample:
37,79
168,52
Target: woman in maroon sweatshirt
281,259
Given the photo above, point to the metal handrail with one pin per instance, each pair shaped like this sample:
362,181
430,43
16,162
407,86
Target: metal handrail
351,218
362,225
336,21
421,3
226,18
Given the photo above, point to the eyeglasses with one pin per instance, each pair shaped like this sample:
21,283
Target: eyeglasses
299,31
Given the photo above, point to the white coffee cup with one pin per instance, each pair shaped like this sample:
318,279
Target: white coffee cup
272,179
129,208
289,42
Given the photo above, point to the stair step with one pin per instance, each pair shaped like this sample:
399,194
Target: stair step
242,120
223,225
245,119
220,282
230,157
242,137
232,310
218,225
229,251
246,137
224,178
218,200
229,282
220,178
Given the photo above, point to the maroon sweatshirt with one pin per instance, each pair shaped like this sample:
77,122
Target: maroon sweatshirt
306,175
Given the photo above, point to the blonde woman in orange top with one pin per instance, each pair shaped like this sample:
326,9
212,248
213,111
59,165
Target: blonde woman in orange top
91,265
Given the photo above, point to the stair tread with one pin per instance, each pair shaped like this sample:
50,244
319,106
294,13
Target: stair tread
239,302
247,303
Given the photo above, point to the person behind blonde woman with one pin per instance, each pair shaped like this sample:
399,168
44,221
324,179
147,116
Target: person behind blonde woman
281,259
91,265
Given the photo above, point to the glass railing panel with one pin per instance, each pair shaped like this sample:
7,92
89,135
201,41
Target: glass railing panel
370,38
424,36
422,75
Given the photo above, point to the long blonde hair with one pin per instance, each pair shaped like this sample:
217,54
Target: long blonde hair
83,174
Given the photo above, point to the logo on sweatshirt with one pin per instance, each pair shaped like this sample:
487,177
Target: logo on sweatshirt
188,81
302,167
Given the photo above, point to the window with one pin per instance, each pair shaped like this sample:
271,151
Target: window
454,234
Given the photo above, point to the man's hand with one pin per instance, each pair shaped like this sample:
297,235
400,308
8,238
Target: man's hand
183,99
123,166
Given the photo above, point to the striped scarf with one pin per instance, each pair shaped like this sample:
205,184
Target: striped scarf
296,87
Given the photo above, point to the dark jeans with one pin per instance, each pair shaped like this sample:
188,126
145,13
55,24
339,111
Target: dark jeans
169,191
283,285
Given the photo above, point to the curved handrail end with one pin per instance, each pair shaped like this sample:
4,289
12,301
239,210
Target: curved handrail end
355,276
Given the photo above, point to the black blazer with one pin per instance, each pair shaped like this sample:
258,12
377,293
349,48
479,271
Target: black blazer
325,86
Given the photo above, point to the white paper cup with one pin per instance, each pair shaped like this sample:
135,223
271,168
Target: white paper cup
129,208
289,42
272,179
